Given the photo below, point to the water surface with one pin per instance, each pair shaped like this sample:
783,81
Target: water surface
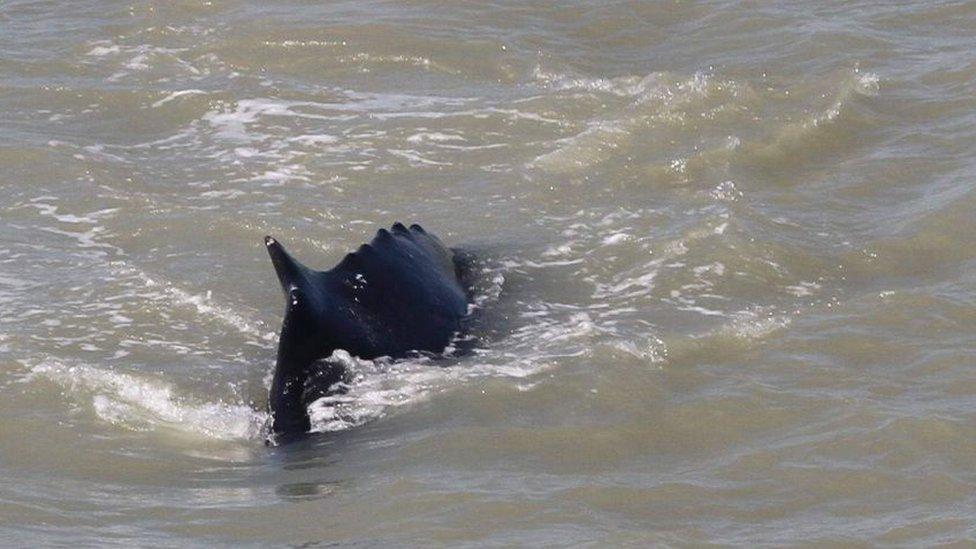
727,270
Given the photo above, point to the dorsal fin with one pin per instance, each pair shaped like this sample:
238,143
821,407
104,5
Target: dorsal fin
291,273
296,279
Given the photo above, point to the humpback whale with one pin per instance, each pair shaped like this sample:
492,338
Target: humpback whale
398,294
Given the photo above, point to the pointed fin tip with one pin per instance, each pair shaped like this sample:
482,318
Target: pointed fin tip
288,269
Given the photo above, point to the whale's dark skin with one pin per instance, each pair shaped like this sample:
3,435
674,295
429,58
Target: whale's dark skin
400,293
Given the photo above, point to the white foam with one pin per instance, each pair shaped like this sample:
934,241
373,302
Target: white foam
803,289
51,210
415,159
658,98
867,83
175,95
381,387
433,136
413,60
204,303
616,238
137,58
314,140
624,86
859,84
754,324
726,192
305,43
140,403
653,351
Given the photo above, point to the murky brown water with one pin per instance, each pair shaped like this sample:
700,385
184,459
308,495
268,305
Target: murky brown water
728,287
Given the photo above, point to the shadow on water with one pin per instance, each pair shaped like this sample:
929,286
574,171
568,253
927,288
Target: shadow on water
306,491
313,458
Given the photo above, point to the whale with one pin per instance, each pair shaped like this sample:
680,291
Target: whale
400,294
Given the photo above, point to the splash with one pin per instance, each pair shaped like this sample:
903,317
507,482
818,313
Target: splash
379,387
140,403
204,304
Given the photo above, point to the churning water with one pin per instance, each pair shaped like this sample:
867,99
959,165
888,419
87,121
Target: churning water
727,277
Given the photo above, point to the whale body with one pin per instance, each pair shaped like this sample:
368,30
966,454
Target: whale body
398,294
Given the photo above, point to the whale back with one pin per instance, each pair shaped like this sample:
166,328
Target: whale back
399,293
402,293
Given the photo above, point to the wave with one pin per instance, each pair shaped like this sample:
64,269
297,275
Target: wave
664,105
173,296
141,403
658,100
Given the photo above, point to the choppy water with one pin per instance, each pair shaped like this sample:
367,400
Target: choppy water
727,285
